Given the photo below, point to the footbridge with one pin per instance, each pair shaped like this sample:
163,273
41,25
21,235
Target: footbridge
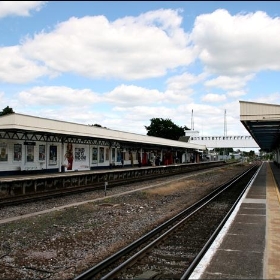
211,142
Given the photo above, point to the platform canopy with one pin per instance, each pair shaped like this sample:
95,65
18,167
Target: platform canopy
262,121
32,128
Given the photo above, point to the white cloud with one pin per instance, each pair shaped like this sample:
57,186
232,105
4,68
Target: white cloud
239,44
151,45
273,98
212,97
60,96
19,8
15,68
178,97
130,95
229,83
124,95
184,81
236,93
129,48
179,88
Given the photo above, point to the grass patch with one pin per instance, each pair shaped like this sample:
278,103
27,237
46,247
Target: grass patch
169,188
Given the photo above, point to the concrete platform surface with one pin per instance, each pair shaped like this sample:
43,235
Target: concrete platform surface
248,247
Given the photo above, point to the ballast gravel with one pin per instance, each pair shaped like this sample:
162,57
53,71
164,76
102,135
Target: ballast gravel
62,238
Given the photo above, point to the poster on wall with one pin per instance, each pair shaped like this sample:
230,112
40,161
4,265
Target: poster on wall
94,155
30,153
101,154
3,152
42,152
69,156
126,156
80,154
17,152
53,155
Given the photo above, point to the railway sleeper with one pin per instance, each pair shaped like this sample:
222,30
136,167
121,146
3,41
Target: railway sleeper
168,257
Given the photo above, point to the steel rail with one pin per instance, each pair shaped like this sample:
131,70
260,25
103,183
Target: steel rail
95,271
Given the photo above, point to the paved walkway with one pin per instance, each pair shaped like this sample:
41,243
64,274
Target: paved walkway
249,245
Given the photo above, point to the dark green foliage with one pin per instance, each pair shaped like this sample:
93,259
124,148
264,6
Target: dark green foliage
224,151
97,125
165,128
7,111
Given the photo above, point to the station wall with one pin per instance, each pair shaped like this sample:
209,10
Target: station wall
18,155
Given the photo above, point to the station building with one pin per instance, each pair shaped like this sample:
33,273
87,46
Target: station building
40,145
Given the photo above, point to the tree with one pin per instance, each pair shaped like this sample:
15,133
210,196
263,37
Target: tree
97,125
223,151
252,153
165,128
7,111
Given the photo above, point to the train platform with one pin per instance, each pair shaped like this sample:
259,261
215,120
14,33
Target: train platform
248,247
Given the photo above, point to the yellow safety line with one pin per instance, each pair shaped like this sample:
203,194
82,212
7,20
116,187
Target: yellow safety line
272,246
275,184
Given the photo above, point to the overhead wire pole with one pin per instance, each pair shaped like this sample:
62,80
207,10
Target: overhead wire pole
225,128
225,124
192,128
192,125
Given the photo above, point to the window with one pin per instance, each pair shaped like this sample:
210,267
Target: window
101,154
17,152
42,152
113,154
30,153
119,155
3,152
53,155
94,155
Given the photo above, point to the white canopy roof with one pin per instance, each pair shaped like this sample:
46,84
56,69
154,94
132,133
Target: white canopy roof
21,122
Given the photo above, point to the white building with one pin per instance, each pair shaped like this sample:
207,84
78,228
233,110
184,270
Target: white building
29,143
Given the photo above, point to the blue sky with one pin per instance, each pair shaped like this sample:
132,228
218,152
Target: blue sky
121,63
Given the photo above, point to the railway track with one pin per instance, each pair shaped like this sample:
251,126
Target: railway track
111,179
172,250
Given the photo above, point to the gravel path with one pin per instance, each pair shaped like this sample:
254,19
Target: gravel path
61,238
